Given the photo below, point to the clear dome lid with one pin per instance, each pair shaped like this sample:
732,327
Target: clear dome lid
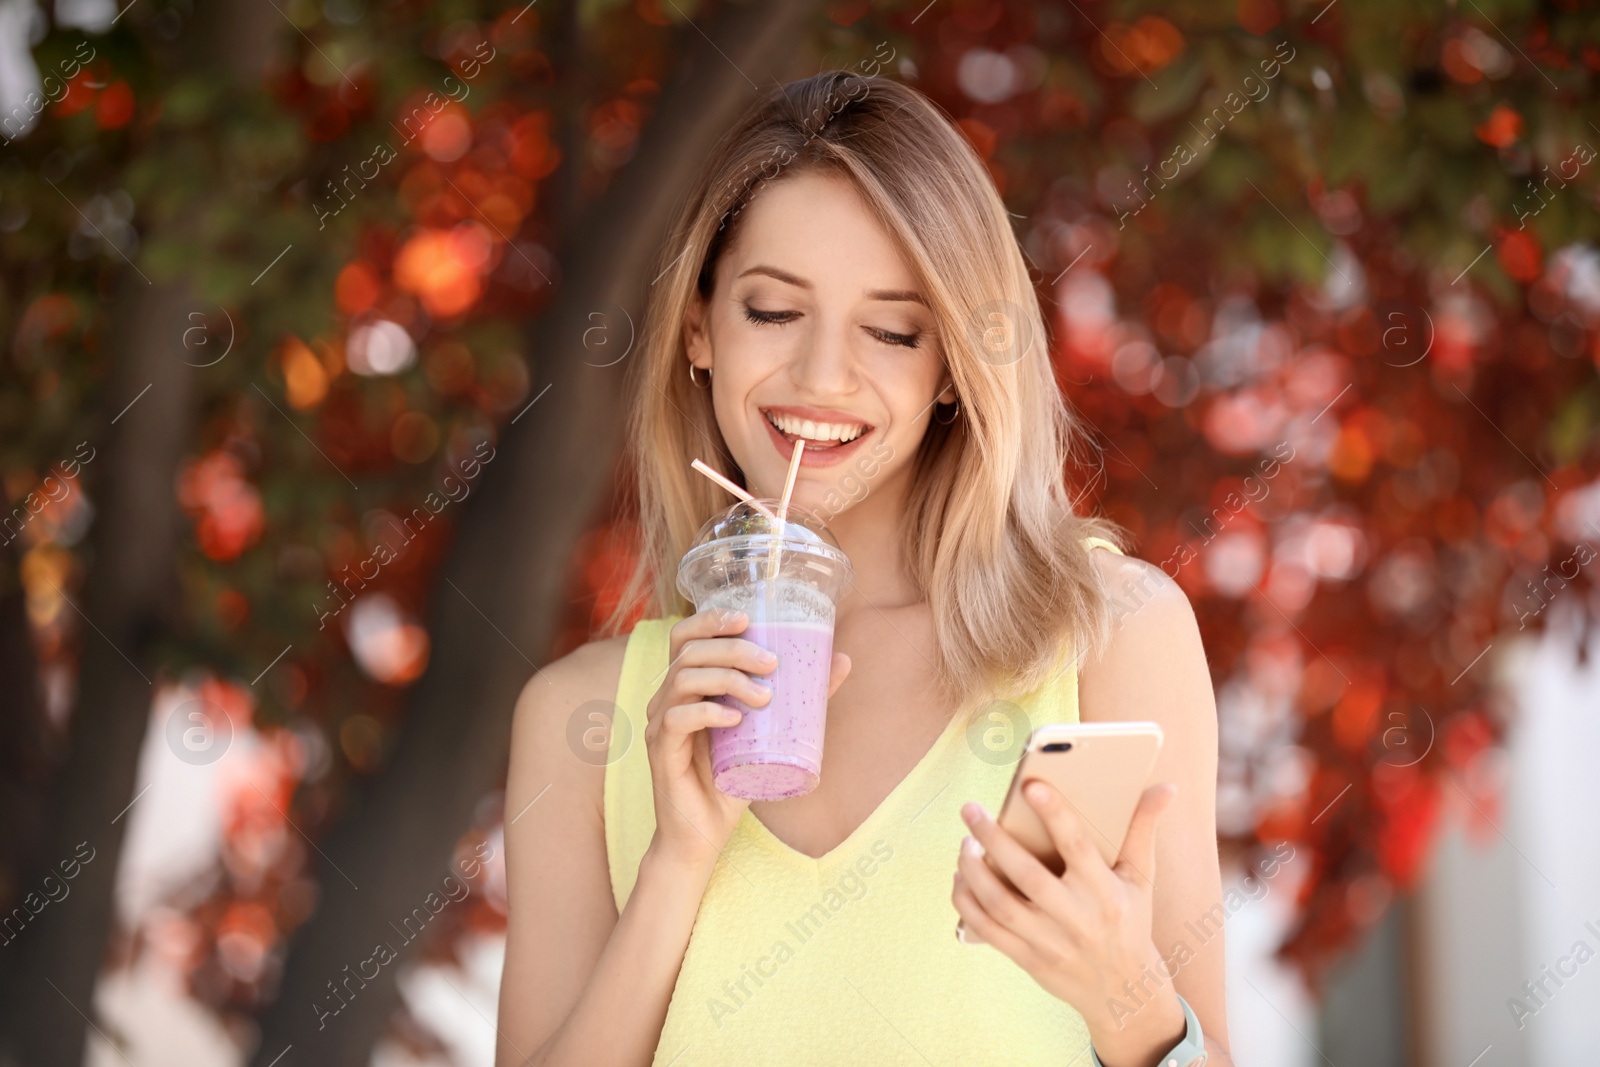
742,532
744,520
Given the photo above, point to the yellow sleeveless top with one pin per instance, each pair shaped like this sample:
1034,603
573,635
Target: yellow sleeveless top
851,957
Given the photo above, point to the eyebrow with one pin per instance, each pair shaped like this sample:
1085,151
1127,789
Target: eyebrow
909,295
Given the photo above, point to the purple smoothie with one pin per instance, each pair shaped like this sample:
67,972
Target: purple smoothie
775,751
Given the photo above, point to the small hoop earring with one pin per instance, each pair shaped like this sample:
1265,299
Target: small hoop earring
955,413
696,381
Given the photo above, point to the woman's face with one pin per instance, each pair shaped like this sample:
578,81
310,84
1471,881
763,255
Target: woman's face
815,329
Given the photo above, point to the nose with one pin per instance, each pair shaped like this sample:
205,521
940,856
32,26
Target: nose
824,366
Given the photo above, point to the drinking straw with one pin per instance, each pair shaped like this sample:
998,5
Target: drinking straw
788,486
783,506
734,489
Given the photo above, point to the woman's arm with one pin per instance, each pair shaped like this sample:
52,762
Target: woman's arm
1155,669
581,985
1121,943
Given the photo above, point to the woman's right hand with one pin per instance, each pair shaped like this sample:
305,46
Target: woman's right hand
694,819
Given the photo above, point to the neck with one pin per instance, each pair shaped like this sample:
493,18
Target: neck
869,532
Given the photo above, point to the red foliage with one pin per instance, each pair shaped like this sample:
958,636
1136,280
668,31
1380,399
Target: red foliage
1502,127
1258,16
357,287
226,508
80,94
1409,802
1519,255
114,108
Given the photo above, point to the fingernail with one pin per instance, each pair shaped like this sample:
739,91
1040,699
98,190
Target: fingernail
973,813
1036,792
972,847
769,656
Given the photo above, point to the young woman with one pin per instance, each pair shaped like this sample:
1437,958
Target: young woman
845,270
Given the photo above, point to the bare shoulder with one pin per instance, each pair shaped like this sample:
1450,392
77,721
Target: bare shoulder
1135,584
1155,660
540,737
589,672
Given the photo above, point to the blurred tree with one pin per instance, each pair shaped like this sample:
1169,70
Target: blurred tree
50,977
1320,277
24,739
1324,285
507,573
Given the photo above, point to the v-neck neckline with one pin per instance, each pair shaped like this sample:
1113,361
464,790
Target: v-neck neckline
762,833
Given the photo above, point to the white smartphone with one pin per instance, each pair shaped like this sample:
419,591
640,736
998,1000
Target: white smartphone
1100,767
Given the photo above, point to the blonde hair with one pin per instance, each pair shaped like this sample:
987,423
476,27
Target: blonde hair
990,538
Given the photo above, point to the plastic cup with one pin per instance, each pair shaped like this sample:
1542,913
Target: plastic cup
775,750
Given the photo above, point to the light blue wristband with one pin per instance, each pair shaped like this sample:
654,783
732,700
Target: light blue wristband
1190,1052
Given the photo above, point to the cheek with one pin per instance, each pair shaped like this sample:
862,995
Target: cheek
908,382
725,403
745,353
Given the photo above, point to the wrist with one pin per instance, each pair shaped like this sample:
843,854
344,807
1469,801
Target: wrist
662,854
1142,1038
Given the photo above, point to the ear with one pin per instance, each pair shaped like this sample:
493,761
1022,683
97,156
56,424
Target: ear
946,393
696,338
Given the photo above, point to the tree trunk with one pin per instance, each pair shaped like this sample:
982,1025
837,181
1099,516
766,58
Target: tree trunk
25,763
52,965
126,602
497,610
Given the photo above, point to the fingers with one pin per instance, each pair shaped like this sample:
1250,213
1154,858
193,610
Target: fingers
1137,861
708,643
840,671
687,718
1011,858
1073,836
1002,903
708,662
983,927
702,624
694,683
735,652
672,736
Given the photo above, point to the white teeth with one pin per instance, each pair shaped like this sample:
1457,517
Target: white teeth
817,431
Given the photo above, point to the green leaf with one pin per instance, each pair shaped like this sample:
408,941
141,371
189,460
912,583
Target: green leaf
188,102
1574,426
1176,91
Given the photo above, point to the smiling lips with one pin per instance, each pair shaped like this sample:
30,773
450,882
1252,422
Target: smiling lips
820,433
827,441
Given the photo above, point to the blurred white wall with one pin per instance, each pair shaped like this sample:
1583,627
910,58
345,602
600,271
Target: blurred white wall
1502,904
1271,1018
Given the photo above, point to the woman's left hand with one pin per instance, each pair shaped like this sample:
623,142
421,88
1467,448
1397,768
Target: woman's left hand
1084,935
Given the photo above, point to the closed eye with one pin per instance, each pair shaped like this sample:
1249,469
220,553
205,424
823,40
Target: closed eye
779,318
774,317
907,340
